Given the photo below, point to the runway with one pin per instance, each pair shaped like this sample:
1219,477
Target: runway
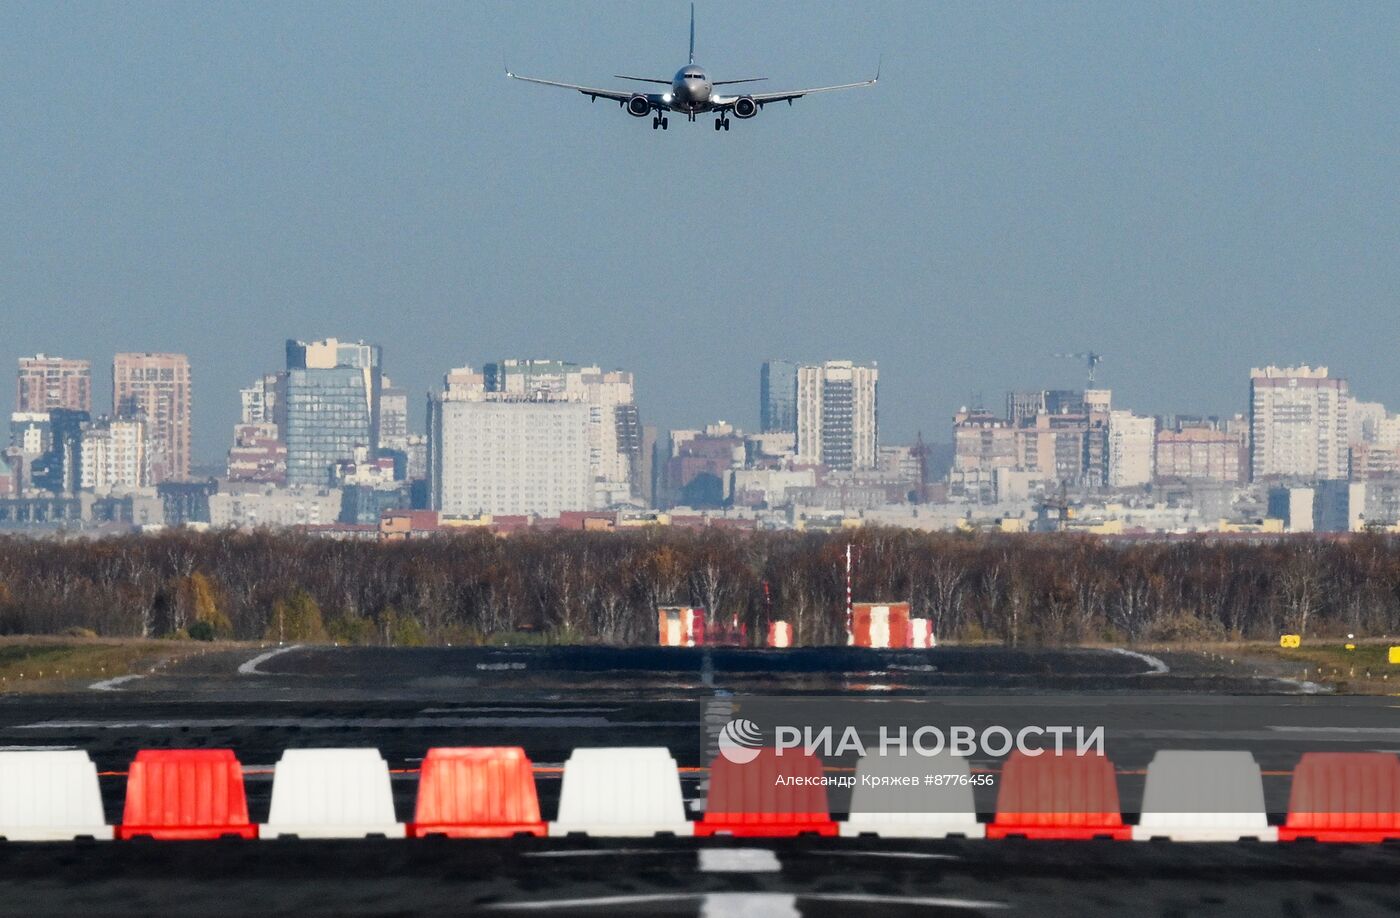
813,877
550,700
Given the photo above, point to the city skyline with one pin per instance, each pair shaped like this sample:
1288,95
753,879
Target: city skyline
548,439
418,421
1184,191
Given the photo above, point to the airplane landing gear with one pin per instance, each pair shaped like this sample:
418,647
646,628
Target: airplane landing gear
659,122
721,124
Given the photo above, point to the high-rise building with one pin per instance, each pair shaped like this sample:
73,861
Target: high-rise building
114,454
503,455
777,397
1065,401
1063,448
645,475
393,417
463,383
1023,405
157,388
837,415
1200,453
537,379
30,433
614,423
1363,418
258,453
982,441
1130,449
59,469
53,382
1374,441
698,475
265,401
1298,424
333,391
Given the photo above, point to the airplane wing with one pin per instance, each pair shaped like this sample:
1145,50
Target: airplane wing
764,98
589,91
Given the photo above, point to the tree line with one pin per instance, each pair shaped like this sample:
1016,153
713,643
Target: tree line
569,586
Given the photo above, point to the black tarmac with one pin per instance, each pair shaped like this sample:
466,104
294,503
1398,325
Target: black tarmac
550,700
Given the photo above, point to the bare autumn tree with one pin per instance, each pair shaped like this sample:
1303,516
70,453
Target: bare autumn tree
1300,591
606,586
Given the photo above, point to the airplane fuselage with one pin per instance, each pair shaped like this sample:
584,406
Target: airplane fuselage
691,91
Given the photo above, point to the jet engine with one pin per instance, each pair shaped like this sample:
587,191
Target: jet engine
745,107
639,106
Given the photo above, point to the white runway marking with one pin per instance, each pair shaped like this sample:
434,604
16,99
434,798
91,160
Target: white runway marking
545,905
746,905
749,905
738,860
929,901
1345,731
250,668
914,855
712,905
1158,667
110,685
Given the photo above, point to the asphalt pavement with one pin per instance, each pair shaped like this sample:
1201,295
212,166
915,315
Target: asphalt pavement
550,700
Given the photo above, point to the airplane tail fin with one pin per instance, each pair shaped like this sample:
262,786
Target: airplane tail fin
692,33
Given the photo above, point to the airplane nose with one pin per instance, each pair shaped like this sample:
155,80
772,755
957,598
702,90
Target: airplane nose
695,91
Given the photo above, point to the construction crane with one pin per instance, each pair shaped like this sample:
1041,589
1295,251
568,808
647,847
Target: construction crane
1091,359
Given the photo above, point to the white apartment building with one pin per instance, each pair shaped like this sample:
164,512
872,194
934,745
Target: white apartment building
493,453
261,403
274,507
614,432
1298,424
1131,449
837,415
115,454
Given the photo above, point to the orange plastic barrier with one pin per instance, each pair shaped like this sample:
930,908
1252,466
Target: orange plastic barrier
481,792
880,624
1344,797
771,796
1058,796
182,794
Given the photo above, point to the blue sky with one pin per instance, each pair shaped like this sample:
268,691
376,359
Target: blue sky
1188,188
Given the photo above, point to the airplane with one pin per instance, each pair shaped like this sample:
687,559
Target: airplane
692,93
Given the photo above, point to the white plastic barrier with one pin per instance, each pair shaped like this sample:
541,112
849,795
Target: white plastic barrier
621,792
332,793
892,809
50,796
1204,796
